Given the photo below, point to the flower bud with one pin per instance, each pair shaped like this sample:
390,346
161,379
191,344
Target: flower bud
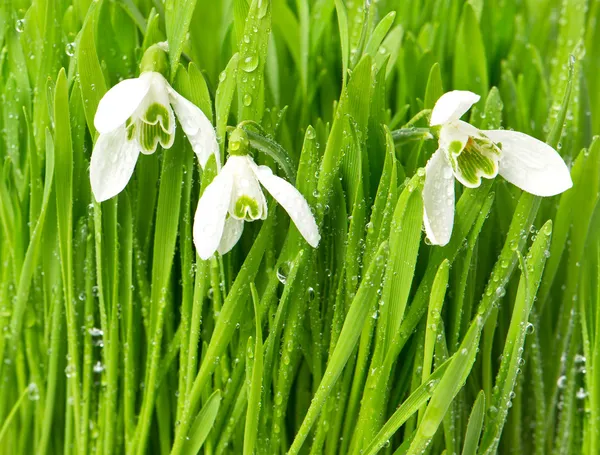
155,59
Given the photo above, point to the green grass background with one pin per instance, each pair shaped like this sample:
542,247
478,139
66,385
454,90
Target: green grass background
116,338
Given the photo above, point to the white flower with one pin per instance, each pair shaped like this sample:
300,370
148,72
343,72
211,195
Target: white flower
467,154
235,196
135,116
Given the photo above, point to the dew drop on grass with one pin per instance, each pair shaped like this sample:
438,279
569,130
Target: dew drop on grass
530,328
69,371
70,49
98,367
562,382
250,63
95,332
278,398
33,392
282,272
579,358
263,7
247,99
20,25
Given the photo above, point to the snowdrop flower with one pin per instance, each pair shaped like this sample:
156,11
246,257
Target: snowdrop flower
468,154
235,196
134,117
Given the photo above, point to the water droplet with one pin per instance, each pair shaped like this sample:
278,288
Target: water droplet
263,7
98,367
33,392
247,99
222,76
562,382
69,371
278,398
529,329
70,49
250,63
282,272
20,25
95,332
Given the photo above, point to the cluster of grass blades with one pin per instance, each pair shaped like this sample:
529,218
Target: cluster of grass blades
115,337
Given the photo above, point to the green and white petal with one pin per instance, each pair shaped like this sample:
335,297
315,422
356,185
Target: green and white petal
155,119
438,199
478,156
231,234
531,164
149,135
197,127
247,199
112,164
454,137
120,103
451,106
209,220
292,201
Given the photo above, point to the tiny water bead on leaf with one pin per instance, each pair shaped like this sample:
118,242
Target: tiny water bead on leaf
468,154
235,196
70,49
137,115
20,25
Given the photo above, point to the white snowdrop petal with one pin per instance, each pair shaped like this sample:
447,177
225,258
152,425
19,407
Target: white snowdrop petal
112,164
197,127
119,103
438,199
246,187
209,219
451,106
531,164
231,234
292,201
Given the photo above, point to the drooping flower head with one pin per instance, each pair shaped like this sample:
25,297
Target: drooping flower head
235,196
134,117
469,154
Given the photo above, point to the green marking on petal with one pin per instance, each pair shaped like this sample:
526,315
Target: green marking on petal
158,114
247,208
455,147
131,129
152,135
478,159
